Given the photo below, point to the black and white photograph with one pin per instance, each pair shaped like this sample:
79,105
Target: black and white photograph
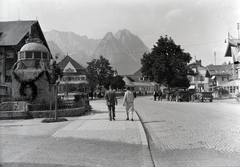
119,83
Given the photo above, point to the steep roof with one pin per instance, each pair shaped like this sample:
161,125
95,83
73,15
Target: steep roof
220,70
138,73
127,81
68,59
12,32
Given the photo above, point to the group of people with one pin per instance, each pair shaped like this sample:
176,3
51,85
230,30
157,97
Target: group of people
111,101
157,94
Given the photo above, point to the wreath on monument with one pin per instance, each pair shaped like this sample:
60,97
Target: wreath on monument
31,83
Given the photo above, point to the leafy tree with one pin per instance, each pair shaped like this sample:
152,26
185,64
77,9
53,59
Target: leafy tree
117,82
99,72
56,73
166,64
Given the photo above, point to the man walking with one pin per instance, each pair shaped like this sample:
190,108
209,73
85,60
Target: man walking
128,102
159,95
111,101
155,94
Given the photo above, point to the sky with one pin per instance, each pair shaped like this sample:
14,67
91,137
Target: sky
199,26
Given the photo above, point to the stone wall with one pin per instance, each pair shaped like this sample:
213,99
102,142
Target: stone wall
60,113
14,106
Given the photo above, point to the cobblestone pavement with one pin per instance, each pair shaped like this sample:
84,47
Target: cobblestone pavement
89,140
192,133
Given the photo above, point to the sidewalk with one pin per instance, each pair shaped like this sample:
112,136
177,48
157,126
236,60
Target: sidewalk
102,142
98,127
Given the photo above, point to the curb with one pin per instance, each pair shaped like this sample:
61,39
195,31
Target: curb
146,151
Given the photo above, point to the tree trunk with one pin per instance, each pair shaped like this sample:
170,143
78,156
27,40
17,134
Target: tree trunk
50,102
56,92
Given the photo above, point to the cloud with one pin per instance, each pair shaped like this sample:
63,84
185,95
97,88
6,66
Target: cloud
173,13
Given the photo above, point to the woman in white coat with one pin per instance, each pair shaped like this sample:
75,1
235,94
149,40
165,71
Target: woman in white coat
128,103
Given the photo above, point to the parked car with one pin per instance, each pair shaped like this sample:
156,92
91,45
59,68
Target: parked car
203,96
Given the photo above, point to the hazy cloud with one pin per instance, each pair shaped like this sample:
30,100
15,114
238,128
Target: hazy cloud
173,13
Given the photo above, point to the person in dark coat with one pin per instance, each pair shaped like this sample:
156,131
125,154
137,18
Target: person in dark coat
155,95
111,101
160,94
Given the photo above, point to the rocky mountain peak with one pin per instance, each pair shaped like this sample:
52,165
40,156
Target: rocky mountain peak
108,36
123,49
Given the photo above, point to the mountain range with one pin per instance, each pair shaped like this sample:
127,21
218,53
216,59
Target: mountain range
123,49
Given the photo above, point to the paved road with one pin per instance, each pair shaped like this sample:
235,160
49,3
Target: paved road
191,133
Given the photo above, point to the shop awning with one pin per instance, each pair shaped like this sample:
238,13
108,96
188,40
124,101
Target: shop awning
191,87
231,83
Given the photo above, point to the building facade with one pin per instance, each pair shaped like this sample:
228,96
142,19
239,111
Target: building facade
137,82
200,78
13,35
74,76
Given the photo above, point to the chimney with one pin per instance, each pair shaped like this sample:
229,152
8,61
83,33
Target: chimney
199,62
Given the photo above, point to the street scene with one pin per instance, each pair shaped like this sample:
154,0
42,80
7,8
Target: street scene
177,134
119,83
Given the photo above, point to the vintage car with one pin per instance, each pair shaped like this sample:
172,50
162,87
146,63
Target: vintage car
178,95
202,96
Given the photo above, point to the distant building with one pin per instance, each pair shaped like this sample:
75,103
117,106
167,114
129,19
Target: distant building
74,74
200,78
137,82
233,50
220,74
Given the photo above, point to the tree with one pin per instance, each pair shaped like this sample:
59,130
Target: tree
166,64
99,72
54,78
117,82
56,74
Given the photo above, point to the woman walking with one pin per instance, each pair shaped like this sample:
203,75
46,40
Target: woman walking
128,103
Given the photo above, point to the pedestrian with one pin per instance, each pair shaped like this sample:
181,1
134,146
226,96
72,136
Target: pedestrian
177,95
135,94
128,103
91,95
159,95
111,101
237,92
155,95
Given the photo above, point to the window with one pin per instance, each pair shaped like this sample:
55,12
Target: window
37,55
231,89
28,55
22,55
190,78
10,54
201,78
194,70
45,55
